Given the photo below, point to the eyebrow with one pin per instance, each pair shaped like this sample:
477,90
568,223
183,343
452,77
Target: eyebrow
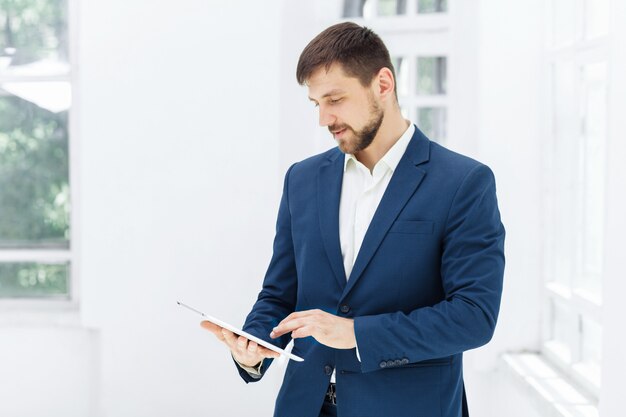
334,92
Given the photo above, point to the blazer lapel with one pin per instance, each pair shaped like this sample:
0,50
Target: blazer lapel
328,194
405,180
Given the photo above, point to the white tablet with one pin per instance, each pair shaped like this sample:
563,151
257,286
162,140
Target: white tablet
242,333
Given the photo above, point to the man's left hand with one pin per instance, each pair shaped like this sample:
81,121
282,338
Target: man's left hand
328,329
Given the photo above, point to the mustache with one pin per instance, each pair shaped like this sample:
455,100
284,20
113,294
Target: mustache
338,127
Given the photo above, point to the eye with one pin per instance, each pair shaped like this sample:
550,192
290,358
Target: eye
334,100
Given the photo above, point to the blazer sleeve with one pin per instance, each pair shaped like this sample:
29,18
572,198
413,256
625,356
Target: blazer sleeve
472,269
277,298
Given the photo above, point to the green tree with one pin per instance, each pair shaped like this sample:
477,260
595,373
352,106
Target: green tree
34,172
35,29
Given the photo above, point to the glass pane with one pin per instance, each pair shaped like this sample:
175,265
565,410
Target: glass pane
34,175
591,342
369,9
431,75
391,7
32,30
566,131
432,122
562,326
401,67
564,17
353,8
432,6
31,279
597,19
594,161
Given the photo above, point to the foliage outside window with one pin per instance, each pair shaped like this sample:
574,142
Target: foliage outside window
35,97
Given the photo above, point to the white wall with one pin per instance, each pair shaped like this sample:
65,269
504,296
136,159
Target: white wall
179,183
509,140
614,285
47,369
496,118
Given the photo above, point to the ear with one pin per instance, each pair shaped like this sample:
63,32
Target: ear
385,84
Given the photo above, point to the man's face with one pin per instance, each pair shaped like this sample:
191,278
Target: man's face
352,113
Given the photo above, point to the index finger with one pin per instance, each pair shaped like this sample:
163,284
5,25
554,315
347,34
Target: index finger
287,326
297,314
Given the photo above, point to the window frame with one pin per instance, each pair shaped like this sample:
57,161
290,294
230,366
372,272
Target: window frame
582,305
70,301
399,32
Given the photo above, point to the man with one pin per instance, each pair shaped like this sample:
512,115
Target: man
388,256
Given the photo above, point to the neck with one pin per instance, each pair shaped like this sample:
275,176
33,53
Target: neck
392,127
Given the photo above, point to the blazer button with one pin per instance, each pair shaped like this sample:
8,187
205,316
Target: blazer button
390,363
344,309
397,362
405,361
328,370
383,364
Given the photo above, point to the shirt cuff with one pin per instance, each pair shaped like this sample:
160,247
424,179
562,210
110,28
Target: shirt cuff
253,371
357,351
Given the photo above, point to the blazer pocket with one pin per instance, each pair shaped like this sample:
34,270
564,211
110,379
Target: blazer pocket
412,226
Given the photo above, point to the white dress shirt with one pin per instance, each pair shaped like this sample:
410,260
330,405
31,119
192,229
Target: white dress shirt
361,192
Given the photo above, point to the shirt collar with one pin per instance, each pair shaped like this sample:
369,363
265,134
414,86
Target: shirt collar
393,155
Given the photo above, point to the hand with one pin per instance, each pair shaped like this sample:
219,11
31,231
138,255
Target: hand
243,350
328,329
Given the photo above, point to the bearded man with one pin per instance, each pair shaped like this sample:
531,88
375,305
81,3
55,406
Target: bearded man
388,258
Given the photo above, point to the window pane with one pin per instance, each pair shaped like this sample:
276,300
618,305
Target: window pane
597,19
31,279
562,326
32,30
431,75
591,342
353,8
34,176
432,122
564,18
432,6
594,163
564,192
401,67
391,7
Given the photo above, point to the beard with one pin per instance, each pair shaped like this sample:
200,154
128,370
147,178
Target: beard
360,140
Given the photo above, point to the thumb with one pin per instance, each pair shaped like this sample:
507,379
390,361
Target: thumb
213,328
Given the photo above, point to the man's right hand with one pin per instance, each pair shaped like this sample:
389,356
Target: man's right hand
244,351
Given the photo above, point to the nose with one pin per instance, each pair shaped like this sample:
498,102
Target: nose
326,117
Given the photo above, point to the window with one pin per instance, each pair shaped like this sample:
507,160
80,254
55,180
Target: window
379,8
417,35
35,98
574,197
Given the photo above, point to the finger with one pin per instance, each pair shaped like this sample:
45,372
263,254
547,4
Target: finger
287,327
242,343
230,339
299,314
252,347
304,331
213,328
267,353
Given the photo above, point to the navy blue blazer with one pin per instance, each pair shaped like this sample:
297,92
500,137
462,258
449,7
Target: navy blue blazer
425,287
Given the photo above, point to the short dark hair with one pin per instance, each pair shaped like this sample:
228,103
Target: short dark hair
360,52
